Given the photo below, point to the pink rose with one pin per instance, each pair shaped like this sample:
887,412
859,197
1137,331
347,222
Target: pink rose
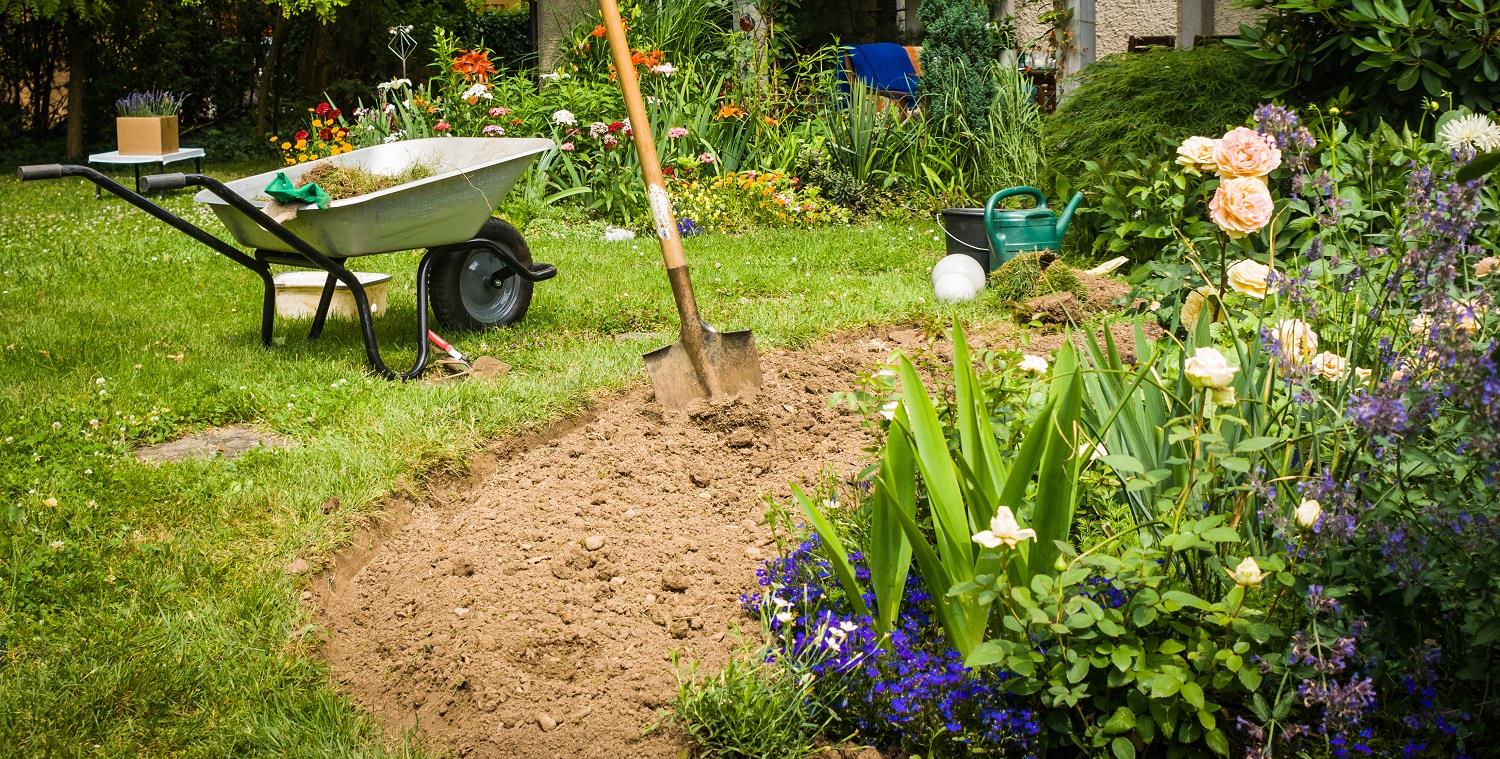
1246,153
566,147
1241,206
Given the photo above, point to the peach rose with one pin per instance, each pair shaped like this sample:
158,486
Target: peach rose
1241,206
1196,301
1298,341
1245,153
1330,366
1486,266
1197,154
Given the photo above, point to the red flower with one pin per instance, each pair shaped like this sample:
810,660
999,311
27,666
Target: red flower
323,110
336,114
302,135
615,126
325,134
669,170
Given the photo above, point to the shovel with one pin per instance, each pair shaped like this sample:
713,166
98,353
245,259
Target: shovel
704,364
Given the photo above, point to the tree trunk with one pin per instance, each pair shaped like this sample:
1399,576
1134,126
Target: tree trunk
267,82
78,55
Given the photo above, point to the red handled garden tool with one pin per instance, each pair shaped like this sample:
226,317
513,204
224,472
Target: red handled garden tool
704,364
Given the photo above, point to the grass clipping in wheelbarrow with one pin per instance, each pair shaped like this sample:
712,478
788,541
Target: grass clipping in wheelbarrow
347,181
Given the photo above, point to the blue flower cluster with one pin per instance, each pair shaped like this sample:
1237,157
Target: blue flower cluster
909,688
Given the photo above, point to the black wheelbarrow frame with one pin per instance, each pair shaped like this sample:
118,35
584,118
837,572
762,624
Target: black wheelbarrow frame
306,256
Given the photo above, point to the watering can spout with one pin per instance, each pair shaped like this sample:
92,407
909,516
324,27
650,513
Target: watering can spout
1067,215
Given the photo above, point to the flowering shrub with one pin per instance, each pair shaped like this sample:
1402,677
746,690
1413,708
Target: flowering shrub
742,201
327,135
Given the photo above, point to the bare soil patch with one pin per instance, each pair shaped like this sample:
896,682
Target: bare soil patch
531,608
231,442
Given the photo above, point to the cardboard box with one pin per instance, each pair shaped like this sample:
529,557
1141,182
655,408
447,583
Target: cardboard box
146,135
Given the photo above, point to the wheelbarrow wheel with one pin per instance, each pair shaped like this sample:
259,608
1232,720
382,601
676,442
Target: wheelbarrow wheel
475,289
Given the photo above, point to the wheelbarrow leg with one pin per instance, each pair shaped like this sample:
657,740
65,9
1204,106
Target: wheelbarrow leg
324,301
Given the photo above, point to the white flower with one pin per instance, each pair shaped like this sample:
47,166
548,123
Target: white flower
1307,513
57,545
1330,366
785,617
1248,573
618,234
1223,396
665,69
1207,368
848,627
393,84
1476,131
1033,363
564,117
393,136
50,503
1004,530
478,90
888,410
1249,277
1094,451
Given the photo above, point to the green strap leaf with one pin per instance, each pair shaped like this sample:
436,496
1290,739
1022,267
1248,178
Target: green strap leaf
833,547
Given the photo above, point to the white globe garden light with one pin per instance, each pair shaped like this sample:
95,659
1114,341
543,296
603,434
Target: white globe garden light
957,278
960,263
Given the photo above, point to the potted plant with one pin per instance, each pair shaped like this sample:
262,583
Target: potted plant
146,123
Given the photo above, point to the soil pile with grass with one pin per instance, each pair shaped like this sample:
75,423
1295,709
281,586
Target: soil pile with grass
532,609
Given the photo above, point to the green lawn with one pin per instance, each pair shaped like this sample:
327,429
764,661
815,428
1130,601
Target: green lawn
145,610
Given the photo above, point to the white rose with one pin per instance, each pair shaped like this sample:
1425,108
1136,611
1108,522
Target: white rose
1248,573
1250,277
1307,513
1208,368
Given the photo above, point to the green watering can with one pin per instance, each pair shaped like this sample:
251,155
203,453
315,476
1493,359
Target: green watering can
1014,231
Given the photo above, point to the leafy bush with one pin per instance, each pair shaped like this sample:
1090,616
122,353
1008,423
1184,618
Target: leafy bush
1388,53
1130,102
743,201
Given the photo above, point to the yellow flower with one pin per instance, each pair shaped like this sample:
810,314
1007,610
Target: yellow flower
286,146
316,123
301,144
1196,301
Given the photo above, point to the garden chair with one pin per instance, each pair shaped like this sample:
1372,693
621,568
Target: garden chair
888,69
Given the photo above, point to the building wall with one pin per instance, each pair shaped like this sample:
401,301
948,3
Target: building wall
1116,21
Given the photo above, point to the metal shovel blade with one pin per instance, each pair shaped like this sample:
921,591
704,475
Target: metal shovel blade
732,368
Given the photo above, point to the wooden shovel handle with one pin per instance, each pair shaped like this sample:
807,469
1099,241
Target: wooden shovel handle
645,142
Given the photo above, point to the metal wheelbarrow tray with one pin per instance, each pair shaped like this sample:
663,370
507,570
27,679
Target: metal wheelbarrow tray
477,268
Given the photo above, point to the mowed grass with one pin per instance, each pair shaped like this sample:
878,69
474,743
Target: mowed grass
145,609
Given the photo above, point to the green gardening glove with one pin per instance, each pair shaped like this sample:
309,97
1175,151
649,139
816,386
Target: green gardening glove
283,191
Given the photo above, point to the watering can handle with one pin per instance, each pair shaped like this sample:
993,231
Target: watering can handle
989,208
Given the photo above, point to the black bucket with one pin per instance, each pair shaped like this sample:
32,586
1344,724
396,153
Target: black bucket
964,228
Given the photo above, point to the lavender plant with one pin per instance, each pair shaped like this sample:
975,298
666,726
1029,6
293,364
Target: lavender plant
150,103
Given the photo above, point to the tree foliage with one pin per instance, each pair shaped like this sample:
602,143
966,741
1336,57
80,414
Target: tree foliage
1388,53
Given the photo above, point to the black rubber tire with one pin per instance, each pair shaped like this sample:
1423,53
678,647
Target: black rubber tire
465,301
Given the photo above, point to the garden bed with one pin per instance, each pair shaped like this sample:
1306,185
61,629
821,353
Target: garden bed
479,615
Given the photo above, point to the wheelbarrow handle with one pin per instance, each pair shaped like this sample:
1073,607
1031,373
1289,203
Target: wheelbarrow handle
161,182
40,171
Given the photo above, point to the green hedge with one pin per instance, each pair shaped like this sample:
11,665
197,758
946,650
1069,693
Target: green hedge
1131,102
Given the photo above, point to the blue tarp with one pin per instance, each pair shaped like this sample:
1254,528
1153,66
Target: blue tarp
885,68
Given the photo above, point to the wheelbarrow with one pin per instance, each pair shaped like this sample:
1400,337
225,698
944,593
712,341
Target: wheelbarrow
477,270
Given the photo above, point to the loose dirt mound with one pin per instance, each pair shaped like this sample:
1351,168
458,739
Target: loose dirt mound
532,610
